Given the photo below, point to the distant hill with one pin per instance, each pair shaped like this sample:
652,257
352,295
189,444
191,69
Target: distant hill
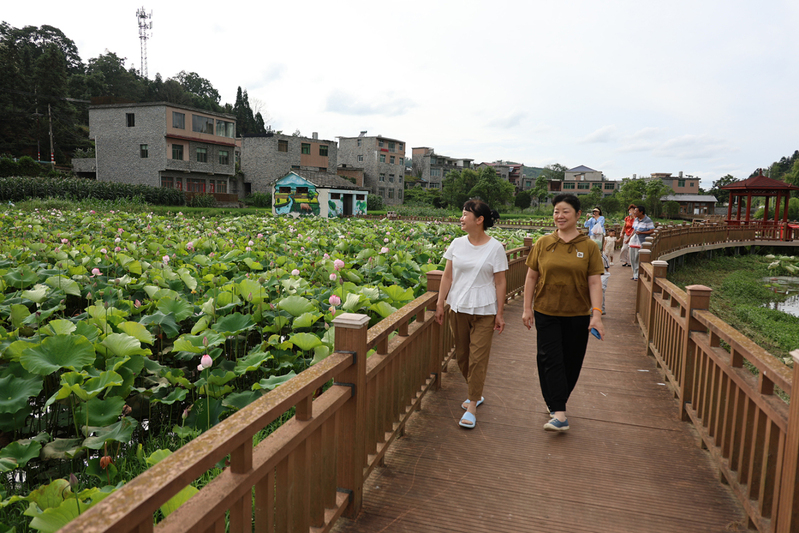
532,172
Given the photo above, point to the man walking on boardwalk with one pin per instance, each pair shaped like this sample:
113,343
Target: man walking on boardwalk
642,226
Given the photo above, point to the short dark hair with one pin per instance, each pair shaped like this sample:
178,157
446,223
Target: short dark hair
641,208
631,206
481,209
570,199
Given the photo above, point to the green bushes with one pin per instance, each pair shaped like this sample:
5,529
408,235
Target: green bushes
202,200
374,202
19,189
259,199
29,167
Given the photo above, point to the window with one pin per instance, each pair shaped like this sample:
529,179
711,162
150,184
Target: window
359,142
399,179
202,124
221,186
306,148
380,144
382,158
360,159
177,152
584,186
434,185
195,185
224,158
391,193
390,147
282,146
399,147
402,161
179,184
382,176
391,159
435,172
130,119
391,178
382,191
693,184
302,190
323,150
144,153
322,169
167,183
399,194
680,183
284,190
225,128
610,186
202,155
568,186
178,120
360,197
335,196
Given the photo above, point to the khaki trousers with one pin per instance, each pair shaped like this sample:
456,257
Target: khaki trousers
473,336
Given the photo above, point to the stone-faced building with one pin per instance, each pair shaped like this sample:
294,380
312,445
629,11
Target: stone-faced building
267,157
382,160
164,145
433,167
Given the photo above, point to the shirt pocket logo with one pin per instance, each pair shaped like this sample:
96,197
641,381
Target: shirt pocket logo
580,255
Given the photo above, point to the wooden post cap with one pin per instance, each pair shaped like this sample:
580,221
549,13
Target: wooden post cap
351,320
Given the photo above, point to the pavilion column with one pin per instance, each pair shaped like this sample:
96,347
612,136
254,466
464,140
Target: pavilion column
777,207
748,206
765,213
738,212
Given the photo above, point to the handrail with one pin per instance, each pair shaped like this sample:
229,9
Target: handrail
311,470
751,433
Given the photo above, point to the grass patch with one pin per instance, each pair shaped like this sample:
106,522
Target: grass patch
740,298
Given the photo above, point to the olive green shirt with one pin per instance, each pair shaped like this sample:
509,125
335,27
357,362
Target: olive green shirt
563,269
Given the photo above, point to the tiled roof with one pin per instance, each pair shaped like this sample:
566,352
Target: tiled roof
325,180
581,168
760,182
689,198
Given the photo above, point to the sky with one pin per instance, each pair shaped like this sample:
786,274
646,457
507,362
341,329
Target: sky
706,87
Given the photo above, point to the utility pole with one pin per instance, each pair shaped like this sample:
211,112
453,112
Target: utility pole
52,152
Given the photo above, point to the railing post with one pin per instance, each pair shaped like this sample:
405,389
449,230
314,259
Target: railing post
659,270
351,330
787,512
437,332
698,298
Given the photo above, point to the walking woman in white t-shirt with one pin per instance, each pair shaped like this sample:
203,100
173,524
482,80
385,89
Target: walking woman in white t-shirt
474,285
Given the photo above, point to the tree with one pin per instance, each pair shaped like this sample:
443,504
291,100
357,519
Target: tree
554,172
492,189
106,76
523,199
457,186
539,192
721,195
593,197
671,208
419,196
204,94
246,121
655,190
792,177
632,191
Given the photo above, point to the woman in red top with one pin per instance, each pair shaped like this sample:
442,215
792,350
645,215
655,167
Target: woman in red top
627,232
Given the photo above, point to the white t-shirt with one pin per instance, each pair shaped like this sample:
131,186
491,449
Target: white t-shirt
478,297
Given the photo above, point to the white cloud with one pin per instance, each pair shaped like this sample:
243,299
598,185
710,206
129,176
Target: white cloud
345,103
604,134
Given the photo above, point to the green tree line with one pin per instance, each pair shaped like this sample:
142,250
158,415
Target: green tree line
43,78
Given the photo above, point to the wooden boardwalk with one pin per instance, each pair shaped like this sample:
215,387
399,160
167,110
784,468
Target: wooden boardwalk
628,464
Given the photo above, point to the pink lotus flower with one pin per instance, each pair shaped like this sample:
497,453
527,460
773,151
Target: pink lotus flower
334,300
333,277
165,259
332,311
338,264
250,243
295,272
103,251
117,249
326,256
385,240
383,250
260,235
190,246
206,361
96,272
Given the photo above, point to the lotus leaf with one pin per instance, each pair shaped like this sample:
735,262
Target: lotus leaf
306,320
365,254
233,324
134,267
20,452
201,325
157,456
122,344
14,421
248,287
219,377
240,400
15,392
252,362
65,284
305,341
96,385
176,395
185,432
278,323
56,352
137,330
398,295
59,327
102,412
119,432
201,417
187,278
53,519
166,322
42,316
93,468
296,305
194,343
50,495
20,279
19,313
371,292
92,333
354,302
252,265
320,353
272,382
62,449
181,309
383,309
100,311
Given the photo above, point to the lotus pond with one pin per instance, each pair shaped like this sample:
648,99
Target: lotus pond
123,336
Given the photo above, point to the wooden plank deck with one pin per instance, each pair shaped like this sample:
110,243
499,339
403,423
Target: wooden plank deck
628,464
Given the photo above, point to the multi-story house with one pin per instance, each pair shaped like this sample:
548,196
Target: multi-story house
165,145
382,160
580,180
508,171
265,158
680,184
432,168
686,193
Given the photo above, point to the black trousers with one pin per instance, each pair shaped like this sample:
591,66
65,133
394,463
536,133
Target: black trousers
562,341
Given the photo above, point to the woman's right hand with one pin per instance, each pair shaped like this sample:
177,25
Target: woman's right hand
440,314
527,318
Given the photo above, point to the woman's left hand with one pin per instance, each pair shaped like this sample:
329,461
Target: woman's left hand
499,323
596,322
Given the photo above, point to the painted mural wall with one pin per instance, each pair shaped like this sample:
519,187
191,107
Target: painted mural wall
336,199
293,195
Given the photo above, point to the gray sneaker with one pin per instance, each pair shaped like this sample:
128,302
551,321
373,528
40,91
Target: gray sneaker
556,425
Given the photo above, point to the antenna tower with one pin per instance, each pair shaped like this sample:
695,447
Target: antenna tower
145,25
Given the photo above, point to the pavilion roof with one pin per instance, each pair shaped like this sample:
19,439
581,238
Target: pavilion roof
761,184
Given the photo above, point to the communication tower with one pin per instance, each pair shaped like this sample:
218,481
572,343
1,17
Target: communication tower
145,25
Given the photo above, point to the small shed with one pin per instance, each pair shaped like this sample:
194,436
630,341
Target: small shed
742,192
312,193
693,205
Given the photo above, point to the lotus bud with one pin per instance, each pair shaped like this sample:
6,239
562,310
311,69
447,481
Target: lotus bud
126,410
295,272
136,304
105,461
334,300
206,361
185,414
73,481
338,264
205,342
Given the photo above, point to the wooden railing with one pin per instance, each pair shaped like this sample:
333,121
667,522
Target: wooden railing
752,434
311,470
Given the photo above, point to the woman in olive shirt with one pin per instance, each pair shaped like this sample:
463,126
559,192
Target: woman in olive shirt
564,276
